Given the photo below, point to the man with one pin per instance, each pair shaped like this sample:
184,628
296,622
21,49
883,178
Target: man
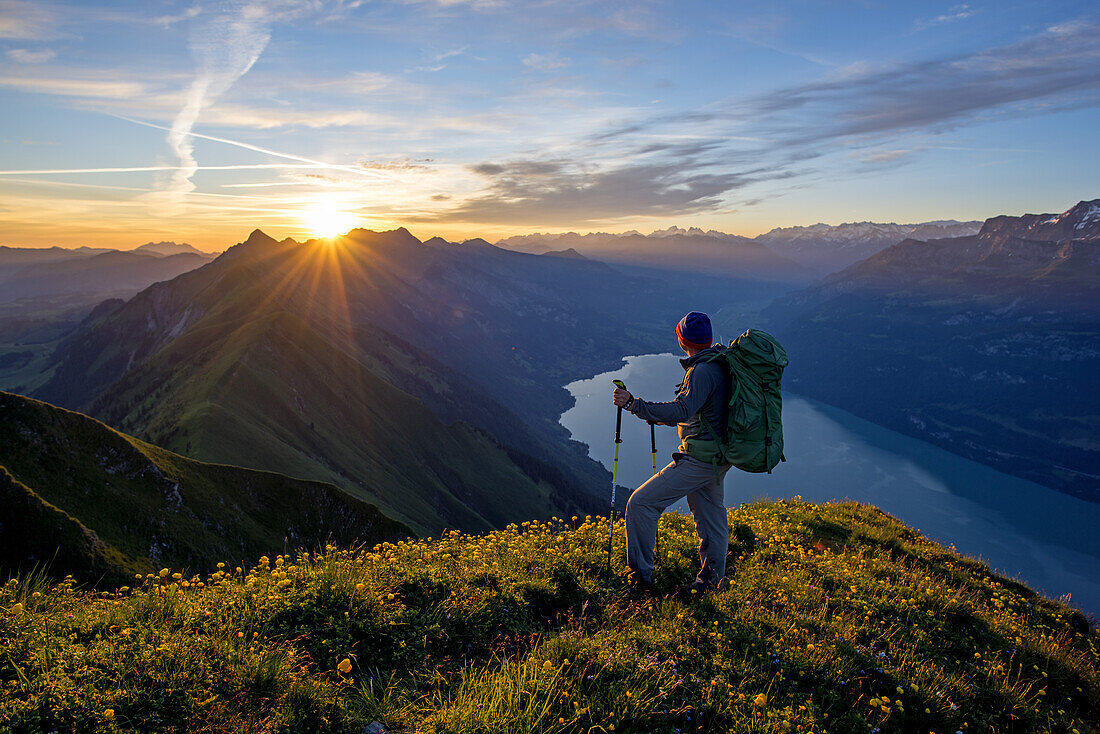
704,392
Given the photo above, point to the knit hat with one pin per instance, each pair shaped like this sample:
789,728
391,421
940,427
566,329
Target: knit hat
694,331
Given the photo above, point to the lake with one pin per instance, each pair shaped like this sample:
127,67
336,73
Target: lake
1049,540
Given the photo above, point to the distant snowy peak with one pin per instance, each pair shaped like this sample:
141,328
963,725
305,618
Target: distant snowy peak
674,231
1077,223
860,233
829,248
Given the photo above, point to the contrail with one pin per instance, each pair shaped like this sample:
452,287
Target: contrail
225,44
138,169
258,149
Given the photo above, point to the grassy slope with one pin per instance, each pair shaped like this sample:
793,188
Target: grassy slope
34,529
838,618
275,392
148,506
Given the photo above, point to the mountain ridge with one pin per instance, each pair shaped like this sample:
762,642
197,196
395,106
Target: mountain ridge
175,364
105,505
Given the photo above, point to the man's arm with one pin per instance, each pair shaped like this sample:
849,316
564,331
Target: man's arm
700,385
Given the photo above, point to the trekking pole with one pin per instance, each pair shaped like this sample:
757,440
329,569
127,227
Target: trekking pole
653,444
614,474
653,452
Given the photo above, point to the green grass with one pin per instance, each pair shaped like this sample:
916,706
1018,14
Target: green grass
88,500
837,618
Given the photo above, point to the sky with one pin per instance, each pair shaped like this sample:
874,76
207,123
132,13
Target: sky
129,122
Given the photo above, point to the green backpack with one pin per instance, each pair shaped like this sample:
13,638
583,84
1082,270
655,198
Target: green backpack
754,421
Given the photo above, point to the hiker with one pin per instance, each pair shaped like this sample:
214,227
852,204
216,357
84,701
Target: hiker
704,390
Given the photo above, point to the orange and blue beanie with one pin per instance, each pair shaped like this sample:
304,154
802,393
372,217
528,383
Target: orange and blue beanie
694,331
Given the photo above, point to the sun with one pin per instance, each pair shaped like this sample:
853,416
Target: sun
328,219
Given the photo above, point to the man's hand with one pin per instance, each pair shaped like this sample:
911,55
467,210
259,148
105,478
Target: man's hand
621,397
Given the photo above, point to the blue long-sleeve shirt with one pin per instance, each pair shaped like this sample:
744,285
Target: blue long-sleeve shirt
705,390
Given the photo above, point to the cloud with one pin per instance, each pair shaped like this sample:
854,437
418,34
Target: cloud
358,83
475,4
170,20
436,63
958,12
97,88
941,93
571,192
404,165
266,118
26,21
1057,66
27,56
696,161
545,62
882,156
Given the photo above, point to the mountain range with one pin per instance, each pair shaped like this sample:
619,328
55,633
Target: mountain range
988,345
826,248
783,254
673,250
95,273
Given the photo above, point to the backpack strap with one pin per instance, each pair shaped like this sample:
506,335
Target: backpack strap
714,437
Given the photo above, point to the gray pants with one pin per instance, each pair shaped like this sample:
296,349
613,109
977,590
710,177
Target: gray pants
683,478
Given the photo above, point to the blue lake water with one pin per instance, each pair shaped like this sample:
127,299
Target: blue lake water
1049,540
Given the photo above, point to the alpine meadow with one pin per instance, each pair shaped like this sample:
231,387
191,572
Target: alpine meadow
571,367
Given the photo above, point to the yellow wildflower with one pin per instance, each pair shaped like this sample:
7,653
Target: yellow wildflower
109,714
345,666
17,608
760,701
